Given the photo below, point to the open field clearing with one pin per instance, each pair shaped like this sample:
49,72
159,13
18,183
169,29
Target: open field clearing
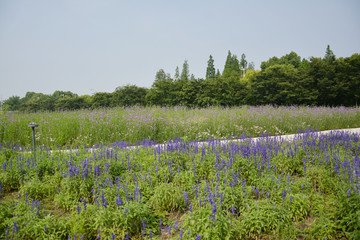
132,125
307,189
181,189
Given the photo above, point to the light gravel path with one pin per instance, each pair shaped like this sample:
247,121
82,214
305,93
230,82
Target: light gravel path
284,138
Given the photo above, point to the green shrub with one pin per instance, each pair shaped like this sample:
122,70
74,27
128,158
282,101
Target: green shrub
167,198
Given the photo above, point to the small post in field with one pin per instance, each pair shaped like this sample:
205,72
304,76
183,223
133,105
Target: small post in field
33,126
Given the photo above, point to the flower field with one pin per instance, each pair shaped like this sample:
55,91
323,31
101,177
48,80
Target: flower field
183,189
92,127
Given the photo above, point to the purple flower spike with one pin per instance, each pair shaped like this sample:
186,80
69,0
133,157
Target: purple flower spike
186,198
119,201
78,208
175,226
284,194
16,227
143,224
198,237
233,209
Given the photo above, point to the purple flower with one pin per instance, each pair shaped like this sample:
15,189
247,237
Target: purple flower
233,209
214,211
16,227
348,192
186,198
143,224
78,208
127,237
284,194
118,200
113,236
84,202
160,224
198,237
175,226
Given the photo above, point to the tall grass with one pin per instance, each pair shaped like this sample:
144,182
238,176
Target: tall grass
58,129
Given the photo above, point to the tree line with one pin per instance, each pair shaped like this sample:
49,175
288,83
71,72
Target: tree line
288,80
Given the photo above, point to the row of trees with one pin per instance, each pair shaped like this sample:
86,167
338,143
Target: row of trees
287,80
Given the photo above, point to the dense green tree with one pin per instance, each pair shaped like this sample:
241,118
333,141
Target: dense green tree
230,91
185,73
243,62
12,103
189,93
161,75
129,95
347,78
162,92
101,99
232,66
251,66
177,74
323,78
329,55
272,61
352,70
292,58
72,103
218,74
34,102
210,70
86,101
275,85
61,94
206,96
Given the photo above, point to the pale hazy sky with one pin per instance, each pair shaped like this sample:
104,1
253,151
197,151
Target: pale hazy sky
88,46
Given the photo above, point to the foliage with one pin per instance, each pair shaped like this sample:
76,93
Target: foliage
244,189
134,124
285,80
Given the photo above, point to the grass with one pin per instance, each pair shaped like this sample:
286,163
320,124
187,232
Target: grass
105,126
307,189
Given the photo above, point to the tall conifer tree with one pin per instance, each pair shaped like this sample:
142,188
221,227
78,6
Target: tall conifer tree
232,66
210,70
185,74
